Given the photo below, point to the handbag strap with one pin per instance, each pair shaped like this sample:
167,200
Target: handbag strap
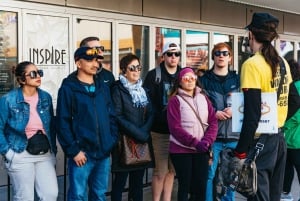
198,117
259,146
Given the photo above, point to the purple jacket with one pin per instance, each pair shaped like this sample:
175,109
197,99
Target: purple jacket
185,128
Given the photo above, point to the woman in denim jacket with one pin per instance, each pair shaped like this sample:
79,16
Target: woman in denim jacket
24,112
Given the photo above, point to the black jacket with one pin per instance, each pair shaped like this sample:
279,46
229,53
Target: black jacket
159,93
219,92
132,121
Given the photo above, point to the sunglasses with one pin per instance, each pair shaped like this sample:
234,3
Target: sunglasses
33,74
224,53
94,51
100,48
133,68
189,78
169,54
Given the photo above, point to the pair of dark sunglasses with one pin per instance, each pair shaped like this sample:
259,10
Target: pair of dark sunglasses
100,48
224,53
170,54
33,74
133,68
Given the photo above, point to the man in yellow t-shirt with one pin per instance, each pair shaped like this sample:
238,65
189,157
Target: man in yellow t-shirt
261,73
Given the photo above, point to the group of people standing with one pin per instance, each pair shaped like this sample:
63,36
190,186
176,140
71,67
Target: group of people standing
182,117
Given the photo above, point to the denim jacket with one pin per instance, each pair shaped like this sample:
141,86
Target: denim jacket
14,117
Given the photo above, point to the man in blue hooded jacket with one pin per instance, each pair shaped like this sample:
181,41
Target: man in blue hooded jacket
87,128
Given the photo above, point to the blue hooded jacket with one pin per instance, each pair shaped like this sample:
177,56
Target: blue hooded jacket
85,120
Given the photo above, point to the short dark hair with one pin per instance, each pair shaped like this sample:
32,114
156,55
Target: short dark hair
127,60
85,41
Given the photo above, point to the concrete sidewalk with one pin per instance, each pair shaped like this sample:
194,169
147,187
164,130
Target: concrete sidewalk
147,192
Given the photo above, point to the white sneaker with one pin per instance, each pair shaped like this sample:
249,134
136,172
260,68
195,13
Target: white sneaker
286,197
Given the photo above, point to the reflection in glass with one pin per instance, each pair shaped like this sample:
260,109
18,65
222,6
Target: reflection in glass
8,50
244,51
197,49
102,30
135,39
162,36
286,49
223,38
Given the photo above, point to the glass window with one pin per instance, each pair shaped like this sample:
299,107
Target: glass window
102,30
244,51
286,49
223,38
197,49
298,53
162,36
8,50
135,39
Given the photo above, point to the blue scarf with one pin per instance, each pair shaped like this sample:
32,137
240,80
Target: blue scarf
137,92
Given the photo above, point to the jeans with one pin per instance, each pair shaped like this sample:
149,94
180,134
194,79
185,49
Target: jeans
32,172
135,185
217,147
92,176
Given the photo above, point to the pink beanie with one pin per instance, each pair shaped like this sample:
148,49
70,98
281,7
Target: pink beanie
184,71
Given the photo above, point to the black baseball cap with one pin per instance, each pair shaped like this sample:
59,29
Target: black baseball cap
259,20
87,53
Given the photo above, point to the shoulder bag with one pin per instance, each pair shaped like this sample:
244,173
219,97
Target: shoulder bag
134,153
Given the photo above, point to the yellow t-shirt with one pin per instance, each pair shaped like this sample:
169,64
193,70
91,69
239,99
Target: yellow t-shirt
257,74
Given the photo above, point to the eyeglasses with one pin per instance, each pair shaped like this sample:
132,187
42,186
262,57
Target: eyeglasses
189,78
100,48
133,68
169,54
224,53
33,74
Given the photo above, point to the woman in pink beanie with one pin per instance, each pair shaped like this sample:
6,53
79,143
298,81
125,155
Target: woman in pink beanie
193,128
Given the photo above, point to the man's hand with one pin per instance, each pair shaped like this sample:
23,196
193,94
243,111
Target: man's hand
221,115
228,111
80,159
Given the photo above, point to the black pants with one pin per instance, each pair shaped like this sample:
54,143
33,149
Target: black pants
270,169
292,161
191,172
135,192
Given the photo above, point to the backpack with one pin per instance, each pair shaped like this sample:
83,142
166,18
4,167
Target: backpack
157,75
